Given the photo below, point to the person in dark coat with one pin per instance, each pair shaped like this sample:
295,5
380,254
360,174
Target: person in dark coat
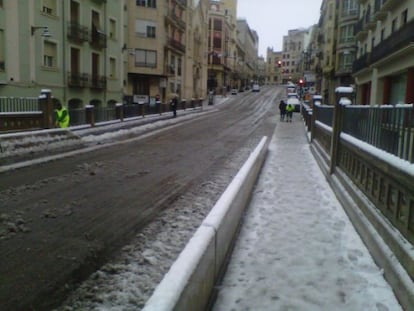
282,108
174,104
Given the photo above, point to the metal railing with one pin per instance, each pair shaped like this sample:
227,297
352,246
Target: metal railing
19,104
389,128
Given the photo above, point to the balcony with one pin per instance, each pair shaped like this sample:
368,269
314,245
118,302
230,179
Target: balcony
361,32
177,45
98,39
172,18
370,22
344,70
77,33
379,11
182,3
97,82
388,5
76,79
361,63
397,41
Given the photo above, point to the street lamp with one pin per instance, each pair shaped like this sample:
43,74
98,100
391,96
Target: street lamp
45,32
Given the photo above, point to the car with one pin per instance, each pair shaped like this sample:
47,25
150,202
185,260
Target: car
233,91
256,88
293,98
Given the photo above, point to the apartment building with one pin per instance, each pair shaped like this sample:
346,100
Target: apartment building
327,47
348,13
221,44
294,43
195,77
70,47
337,46
273,73
384,69
248,41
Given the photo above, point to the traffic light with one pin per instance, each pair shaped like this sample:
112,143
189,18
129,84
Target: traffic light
301,82
279,63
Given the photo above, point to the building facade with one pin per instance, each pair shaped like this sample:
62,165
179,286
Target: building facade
273,67
294,44
70,47
384,69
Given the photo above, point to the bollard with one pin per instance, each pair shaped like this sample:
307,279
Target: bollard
90,116
183,104
119,111
46,105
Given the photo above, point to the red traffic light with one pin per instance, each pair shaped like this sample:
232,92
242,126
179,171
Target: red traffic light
279,63
301,82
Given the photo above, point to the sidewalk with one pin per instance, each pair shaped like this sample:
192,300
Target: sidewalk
297,249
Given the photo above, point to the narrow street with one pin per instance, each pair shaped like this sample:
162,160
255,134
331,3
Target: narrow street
74,214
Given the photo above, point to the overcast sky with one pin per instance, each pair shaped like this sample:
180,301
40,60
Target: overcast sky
273,18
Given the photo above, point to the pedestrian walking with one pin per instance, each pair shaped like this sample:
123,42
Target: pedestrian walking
174,104
289,112
62,116
282,108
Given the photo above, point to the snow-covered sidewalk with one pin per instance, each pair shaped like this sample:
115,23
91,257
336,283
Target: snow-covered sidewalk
297,249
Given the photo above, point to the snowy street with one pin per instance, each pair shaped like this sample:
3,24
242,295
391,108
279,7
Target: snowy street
297,249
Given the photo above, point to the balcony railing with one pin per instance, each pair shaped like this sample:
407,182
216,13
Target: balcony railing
183,3
174,19
98,39
362,62
77,32
398,40
176,44
76,79
97,82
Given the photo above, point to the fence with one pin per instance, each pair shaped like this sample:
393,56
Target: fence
28,113
345,137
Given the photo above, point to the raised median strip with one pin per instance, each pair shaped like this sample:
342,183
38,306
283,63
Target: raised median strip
189,283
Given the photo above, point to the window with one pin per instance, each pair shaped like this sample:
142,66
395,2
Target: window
394,25
49,55
2,62
404,17
1,3
347,34
49,7
145,58
146,29
150,31
112,29
218,24
112,67
350,7
147,3
346,61
179,67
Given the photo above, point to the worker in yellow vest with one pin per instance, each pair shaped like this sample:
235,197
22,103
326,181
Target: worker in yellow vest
62,116
289,112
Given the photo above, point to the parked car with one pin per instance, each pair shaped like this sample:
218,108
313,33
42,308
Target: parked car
233,91
256,88
293,98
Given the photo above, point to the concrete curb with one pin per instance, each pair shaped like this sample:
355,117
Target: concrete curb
189,283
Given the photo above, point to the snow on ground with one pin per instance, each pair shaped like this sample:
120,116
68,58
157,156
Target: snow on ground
297,249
